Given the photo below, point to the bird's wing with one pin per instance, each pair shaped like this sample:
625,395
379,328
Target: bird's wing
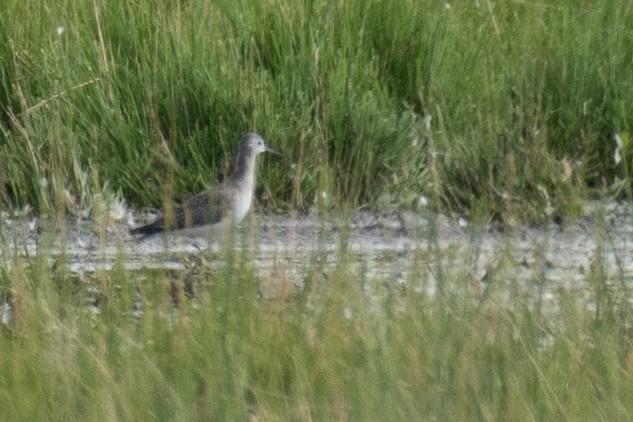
208,207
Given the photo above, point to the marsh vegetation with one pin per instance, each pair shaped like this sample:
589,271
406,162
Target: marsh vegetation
510,115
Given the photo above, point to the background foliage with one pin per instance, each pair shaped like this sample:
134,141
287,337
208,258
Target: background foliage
482,108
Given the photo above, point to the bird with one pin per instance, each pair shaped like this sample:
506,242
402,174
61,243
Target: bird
227,202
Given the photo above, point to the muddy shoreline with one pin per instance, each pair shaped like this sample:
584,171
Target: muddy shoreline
382,245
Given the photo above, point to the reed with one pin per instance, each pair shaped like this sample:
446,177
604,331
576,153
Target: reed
501,110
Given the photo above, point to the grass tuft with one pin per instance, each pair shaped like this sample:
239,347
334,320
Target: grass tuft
482,107
138,345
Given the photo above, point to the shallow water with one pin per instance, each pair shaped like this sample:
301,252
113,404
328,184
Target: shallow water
392,247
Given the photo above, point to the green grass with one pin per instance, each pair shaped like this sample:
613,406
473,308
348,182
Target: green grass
150,98
492,111
332,351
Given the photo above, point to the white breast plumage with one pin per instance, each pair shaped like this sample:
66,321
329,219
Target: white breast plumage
241,205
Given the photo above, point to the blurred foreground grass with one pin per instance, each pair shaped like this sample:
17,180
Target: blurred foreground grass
136,345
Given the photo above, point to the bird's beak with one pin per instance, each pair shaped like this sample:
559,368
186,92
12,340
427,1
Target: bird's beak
272,151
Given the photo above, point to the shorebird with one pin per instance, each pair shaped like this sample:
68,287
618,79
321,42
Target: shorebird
227,202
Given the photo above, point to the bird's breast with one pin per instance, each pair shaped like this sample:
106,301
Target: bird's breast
241,205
